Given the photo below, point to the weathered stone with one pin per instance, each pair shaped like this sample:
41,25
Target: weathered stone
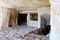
55,20
13,17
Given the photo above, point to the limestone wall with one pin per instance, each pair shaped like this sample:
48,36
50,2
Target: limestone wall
13,17
45,12
24,4
32,23
21,5
8,16
55,20
0,18
4,17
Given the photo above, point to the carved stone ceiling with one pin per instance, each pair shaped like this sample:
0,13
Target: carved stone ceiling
24,4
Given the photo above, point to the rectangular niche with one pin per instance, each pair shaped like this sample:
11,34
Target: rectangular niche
34,17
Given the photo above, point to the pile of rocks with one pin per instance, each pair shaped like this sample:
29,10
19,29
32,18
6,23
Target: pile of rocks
15,34
36,37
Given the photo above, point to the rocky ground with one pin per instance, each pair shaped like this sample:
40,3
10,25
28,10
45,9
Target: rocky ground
36,37
15,34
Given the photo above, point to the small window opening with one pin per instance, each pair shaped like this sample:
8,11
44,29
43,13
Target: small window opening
34,17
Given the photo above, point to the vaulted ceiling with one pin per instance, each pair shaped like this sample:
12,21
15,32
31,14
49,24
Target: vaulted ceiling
25,4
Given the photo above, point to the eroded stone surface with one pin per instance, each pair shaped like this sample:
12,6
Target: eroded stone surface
18,33
36,37
15,33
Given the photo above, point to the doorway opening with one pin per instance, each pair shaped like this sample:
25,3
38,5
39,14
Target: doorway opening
45,23
22,19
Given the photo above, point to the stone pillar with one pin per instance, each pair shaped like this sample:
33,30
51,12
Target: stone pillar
0,18
13,17
55,20
5,13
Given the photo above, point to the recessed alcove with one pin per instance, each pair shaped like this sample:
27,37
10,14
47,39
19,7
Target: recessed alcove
45,23
22,19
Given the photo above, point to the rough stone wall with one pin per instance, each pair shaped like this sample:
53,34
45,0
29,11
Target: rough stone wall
0,18
4,17
13,17
24,4
43,11
8,16
55,20
20,4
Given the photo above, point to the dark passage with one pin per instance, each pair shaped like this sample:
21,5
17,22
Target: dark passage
46,30
22,18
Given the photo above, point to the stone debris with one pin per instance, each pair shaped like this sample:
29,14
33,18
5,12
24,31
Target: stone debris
19,33
36,37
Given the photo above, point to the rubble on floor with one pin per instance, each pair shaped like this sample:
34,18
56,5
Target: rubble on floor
21,33
36,37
